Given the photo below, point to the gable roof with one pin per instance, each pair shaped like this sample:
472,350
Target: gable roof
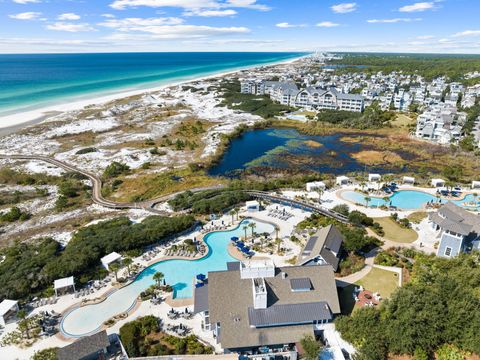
456,219
326,242
230,297
84,347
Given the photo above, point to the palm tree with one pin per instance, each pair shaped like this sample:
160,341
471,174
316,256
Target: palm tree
320,193
245,228
158,277
127,262
386,200
367,200
231,213
115,267
237,210
252,226
362,185
277,229
24,325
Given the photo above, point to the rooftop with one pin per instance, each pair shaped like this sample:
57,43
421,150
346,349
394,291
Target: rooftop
326,242
238,321
84,347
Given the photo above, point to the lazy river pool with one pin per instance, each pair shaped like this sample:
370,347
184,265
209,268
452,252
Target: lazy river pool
179,274
408,200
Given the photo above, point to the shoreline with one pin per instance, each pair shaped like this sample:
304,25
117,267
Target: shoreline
13,122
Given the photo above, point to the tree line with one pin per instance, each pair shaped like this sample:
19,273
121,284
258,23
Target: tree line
30,268
436,312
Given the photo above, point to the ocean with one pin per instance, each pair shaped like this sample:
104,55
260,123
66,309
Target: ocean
33,81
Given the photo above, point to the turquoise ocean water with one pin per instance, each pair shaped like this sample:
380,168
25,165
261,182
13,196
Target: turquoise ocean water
32,81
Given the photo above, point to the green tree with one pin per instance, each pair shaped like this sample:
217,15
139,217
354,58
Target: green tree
277,230
367,200
231,213
61,203
420,354
252,226
245,228
158,277
24,323
45,354
128,262
450,352
311,347
115,267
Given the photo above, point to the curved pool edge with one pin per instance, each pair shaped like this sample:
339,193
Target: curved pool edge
339,195
110,292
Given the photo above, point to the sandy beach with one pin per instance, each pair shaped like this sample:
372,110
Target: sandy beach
14,122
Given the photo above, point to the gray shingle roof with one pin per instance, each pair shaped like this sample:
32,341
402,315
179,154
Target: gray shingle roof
326,242
233,265
230,297
84,347
456,219
289,314
200,299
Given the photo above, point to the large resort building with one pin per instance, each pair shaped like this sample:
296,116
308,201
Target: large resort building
312,97
458,229
254,305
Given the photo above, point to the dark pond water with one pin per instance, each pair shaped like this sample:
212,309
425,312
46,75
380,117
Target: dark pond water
288,149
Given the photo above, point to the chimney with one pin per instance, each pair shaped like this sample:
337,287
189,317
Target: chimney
259,293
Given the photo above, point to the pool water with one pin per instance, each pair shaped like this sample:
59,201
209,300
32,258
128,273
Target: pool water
179,274
406,199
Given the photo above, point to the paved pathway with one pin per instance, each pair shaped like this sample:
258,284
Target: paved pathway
96,181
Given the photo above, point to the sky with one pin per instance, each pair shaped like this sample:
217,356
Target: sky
45,26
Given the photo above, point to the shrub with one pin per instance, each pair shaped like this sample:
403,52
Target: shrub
86,150
115,169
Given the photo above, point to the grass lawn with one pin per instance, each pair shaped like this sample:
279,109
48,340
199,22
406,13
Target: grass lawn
381,281
395,232
417,216
403,120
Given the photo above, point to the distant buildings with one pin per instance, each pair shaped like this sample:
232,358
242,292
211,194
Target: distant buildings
319,87
254,306
312,97
441,123
458,229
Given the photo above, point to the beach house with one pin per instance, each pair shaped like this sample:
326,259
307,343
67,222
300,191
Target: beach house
256,307
323,247
458,230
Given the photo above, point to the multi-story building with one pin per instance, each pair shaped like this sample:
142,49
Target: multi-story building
255,307
458,230
441,123
317,98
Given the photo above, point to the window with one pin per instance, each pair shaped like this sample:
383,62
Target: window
448,251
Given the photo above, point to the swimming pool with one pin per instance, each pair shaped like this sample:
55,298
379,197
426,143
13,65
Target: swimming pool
406,199
179,274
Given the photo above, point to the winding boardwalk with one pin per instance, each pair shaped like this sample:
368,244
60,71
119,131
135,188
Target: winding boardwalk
149,205
97,184
299,204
